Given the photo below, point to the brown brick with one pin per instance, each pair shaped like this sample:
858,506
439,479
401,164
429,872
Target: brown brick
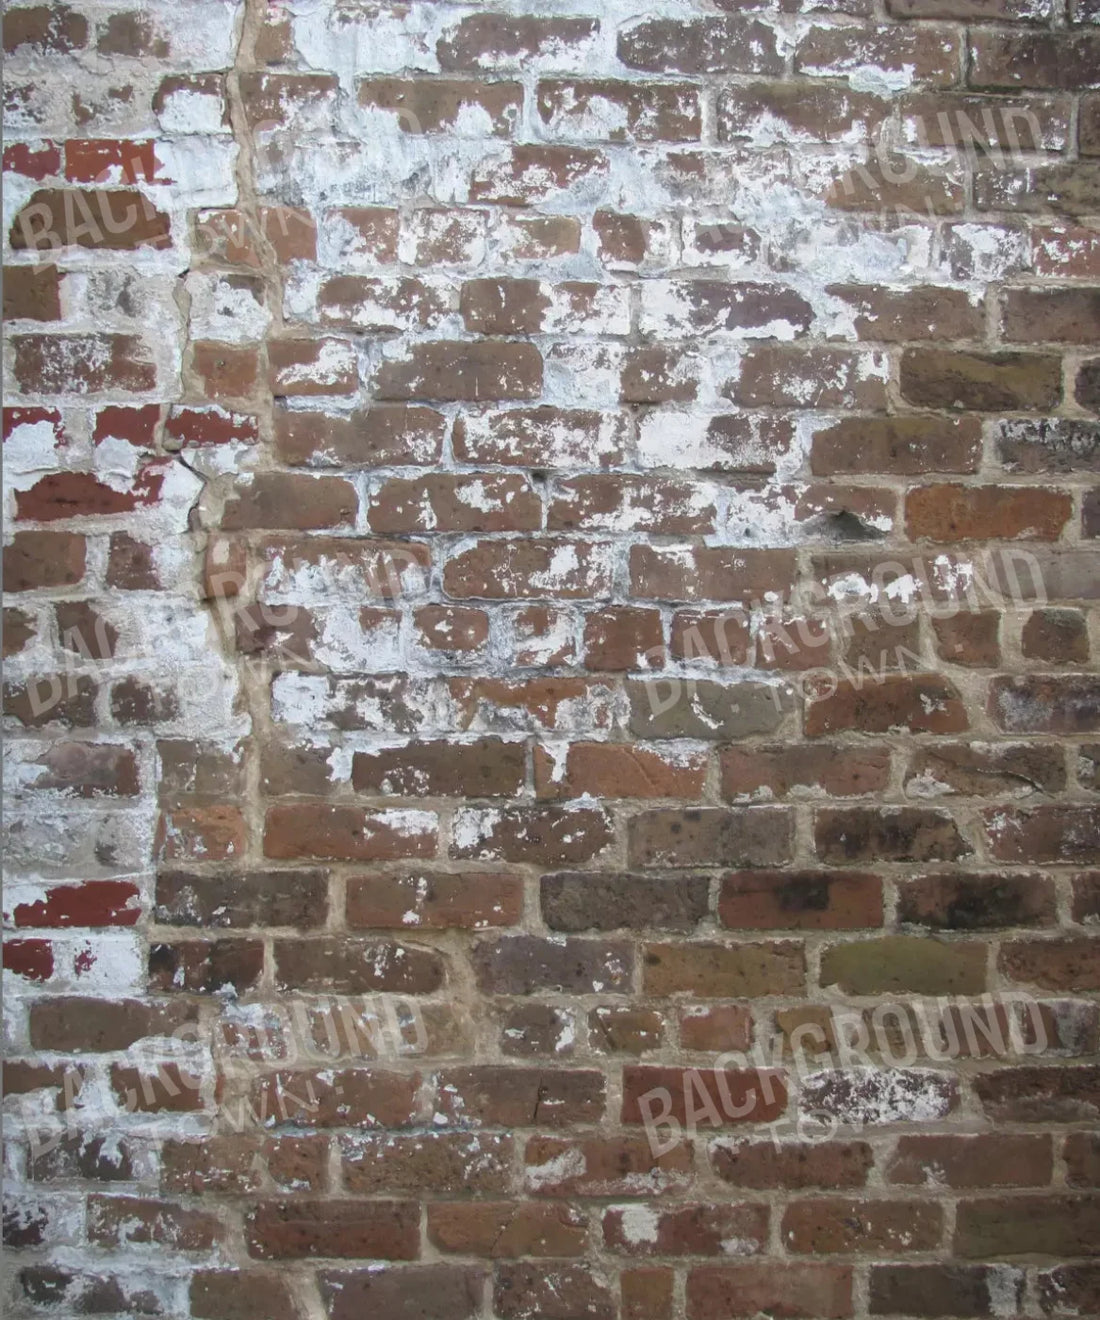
109,219
236,1294
506,1229
781,771
1053,833
434,105
905,965
1027,1226
346,966
710,836
981,1160
532,964
931,1290
921,703
908,446
489,768
690,1230
347,833
802,1292
724,971
981,382
890,834
291,1230
520,1097
800,900
1035,60
983,513
583,900
32,293
977,901
761,1165
434,900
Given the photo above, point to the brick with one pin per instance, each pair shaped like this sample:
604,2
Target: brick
1010,768
823,1227
976,901
32,293
520,1097
434,105
905,964
646,1294
621,638
534,174
965,513
347,833
348,966
82,364
908,446
1067,316
504,1230
506,40
433,1292
911,834
792,376
531,964
603,109
800,900
37,560
442,371
929,1290
921,703
1054,833
616,770
1055,703
291,1230
369,1097
242,899
690,1230
969,639
1060,964
709,573
791,1166
231,1294
623,1030
981,382
710,836
1076,1287
433,1161
1038,60
712,970
798,112
704,45
205,967
104,219
827,770
820,1291
538,1031
434,900
1027,1225
577,901
603,1166
115,1221
557,1293
551,836
531,569
377,435
47,29
965,1161
930,52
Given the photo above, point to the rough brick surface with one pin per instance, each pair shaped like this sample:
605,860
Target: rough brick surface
552,667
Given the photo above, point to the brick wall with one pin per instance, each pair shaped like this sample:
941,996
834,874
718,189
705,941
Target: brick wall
551,682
